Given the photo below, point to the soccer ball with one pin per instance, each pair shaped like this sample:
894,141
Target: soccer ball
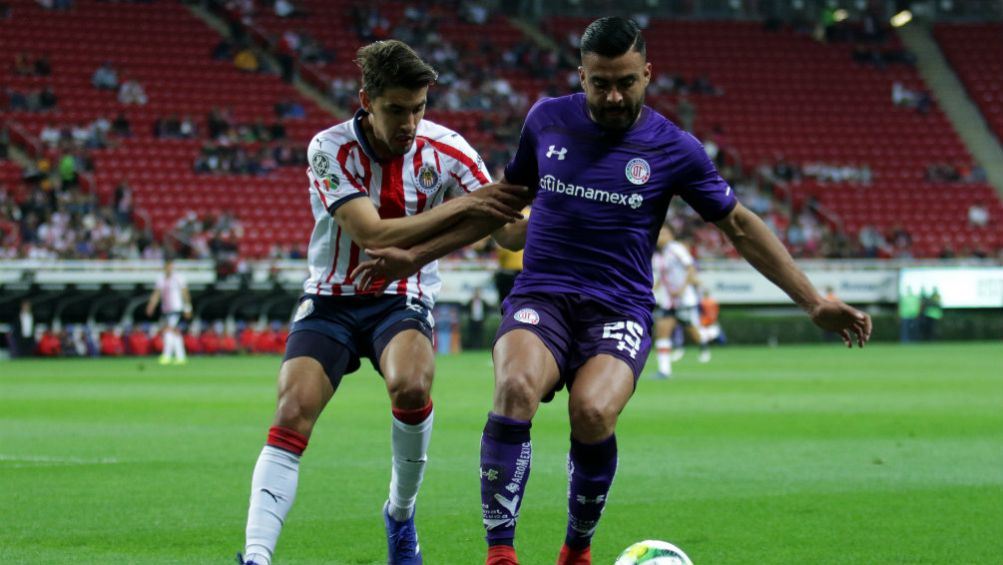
653,552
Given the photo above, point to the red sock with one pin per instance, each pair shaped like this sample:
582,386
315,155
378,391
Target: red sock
575,556
287,439
501,555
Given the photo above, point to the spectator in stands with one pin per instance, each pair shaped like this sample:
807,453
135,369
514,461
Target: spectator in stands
123,202
121,126
245,60
131,92
50,135
23,65
978,214
871,241
105,77
47,99
43,65
286,9
686,113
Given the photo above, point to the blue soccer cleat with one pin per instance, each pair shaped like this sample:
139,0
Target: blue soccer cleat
240,561
402,540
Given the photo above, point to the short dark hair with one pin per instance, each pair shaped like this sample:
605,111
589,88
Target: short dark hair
612,37
392,64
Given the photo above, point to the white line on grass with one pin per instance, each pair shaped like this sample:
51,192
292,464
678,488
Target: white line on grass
50,460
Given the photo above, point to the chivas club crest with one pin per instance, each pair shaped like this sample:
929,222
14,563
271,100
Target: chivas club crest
427,179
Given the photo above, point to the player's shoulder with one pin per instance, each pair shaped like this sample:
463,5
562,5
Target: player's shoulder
335,136
434,131
551,109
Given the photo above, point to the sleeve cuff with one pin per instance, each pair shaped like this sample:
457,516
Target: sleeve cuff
333,207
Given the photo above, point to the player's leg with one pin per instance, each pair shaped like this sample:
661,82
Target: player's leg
180,355
663,345
693,331
525,371
601,389
407,364
309,375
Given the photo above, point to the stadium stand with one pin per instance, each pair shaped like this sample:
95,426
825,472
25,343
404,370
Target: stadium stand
974,52
167,50
787,97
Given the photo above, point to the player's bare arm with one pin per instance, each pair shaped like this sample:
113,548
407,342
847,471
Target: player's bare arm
186,299
761,248
392,263
154,299
497,202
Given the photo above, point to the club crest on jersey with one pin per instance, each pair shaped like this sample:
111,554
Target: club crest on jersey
527,316
638,171
304,310
426,179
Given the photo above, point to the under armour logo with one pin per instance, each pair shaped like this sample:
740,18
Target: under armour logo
553,151
586,500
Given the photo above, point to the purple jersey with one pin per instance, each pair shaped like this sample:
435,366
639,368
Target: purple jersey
602,197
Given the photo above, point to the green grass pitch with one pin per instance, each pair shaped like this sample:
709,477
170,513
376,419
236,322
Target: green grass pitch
798,455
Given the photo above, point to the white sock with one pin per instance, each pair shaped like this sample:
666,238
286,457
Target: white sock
409,443
663,347
179,346
168,344
273,490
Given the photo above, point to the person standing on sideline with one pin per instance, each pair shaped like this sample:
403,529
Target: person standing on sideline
379,179
909,308
171,291
580,315
475,320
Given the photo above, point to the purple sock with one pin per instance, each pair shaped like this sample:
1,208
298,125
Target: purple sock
591,468
506,451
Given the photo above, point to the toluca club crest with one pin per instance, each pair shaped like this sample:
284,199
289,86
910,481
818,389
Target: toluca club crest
638,171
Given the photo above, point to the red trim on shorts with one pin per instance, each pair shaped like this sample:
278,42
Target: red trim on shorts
287,439
414,415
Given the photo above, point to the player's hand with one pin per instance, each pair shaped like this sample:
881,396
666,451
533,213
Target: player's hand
149,311
498,201
851,324
383,266
187,314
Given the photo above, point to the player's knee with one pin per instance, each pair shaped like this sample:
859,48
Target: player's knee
516,389
292,413
591,421
410,389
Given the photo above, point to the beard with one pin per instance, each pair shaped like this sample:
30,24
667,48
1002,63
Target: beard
616,118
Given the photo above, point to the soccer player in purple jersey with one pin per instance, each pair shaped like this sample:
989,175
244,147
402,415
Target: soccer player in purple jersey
606,167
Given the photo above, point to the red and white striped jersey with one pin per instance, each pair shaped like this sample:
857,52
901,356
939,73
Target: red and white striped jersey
670,269
440,164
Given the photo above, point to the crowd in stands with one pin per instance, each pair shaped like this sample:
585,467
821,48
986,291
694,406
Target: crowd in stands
145,340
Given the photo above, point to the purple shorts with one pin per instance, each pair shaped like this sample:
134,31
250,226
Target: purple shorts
576,328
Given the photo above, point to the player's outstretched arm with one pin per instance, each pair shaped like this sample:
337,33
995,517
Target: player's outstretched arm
394,263
495,202
761,248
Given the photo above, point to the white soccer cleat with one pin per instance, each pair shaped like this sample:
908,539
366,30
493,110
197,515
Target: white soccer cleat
704,356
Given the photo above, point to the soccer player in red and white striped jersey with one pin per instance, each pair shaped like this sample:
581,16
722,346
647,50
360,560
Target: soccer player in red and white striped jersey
384,178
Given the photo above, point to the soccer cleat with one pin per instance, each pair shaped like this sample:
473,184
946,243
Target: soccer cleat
660,376
402,540
181,361
164,360
501,555
570,556
704,356
240,561
677,354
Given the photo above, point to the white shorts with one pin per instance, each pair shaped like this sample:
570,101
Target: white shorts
172,319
